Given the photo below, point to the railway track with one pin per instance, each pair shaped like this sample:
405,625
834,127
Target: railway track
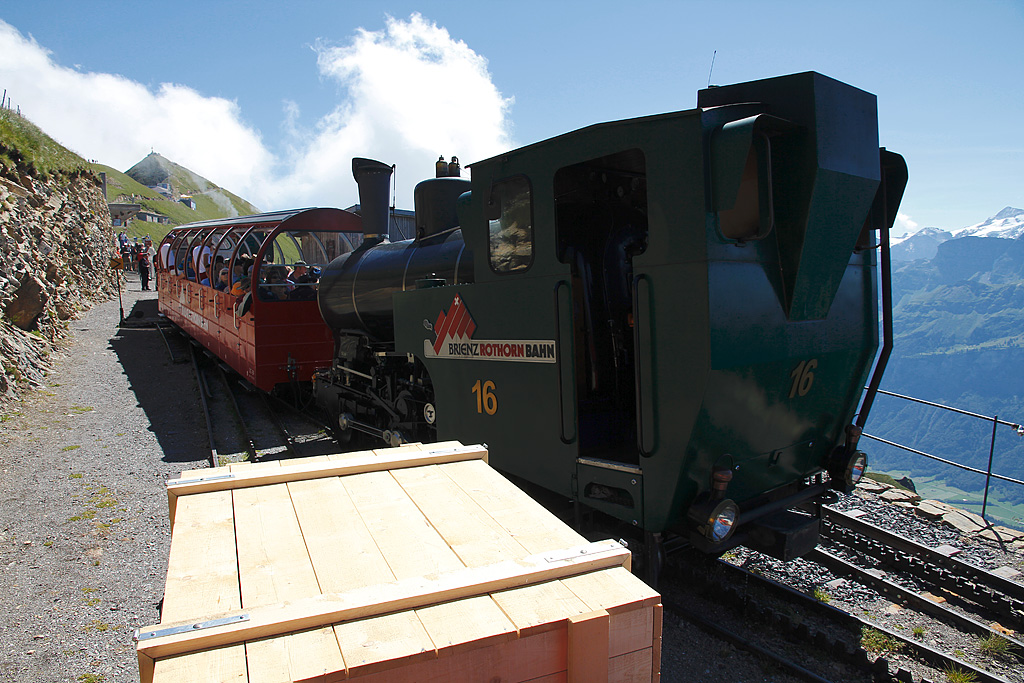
245,424
990,593
806,637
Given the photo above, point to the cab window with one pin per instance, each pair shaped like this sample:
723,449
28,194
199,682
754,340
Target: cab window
510,225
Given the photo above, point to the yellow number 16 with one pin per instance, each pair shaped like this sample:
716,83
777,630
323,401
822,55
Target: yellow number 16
803,378
486,401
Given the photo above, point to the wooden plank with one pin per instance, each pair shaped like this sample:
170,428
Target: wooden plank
248,465
628,600
382,643
308,655
273,563
520,516
364,644
413,593
202,567
463,625
192,475
274,567
204,472
656,645
542,607
559,677
328,528
539,658
297,470
408,542
587,647
350,455
223,665
202,578
632,667
466,527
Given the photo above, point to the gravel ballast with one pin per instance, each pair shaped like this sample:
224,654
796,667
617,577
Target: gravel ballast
84,533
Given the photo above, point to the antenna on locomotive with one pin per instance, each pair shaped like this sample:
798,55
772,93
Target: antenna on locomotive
712,69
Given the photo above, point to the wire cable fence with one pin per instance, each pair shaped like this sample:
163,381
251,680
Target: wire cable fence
5,103
994,419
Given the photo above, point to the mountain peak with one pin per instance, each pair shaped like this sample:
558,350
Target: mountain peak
1008,212
1008,224
156,169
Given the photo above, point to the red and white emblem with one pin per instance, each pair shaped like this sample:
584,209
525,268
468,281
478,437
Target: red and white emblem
454,330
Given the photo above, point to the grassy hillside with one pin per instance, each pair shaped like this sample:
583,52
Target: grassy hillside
211,201
27,149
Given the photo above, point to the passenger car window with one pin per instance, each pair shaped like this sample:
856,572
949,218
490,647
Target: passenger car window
510,225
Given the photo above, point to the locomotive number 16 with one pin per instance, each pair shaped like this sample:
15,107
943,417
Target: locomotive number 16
803,378
486,400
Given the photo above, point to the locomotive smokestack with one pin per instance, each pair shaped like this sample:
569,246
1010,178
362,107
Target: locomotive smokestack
374,180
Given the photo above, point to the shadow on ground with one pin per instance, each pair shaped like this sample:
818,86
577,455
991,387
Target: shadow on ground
165,390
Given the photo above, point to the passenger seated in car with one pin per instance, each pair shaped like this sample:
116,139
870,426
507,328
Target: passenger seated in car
222,280
241,287
276,287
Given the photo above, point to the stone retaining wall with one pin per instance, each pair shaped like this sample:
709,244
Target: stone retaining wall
55,242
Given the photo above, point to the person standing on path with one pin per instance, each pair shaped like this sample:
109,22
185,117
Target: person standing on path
150,252
143,260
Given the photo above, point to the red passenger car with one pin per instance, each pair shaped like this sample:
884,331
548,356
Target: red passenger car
245,288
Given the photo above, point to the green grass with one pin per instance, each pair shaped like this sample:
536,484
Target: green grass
995,646
883,478
957,675
876,642
26,148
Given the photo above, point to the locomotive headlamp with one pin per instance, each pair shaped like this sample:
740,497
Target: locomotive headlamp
846,469
855,470
721,521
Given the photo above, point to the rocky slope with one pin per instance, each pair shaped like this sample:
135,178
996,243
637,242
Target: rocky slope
55,242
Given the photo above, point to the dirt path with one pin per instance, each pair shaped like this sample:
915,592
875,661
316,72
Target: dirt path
83,510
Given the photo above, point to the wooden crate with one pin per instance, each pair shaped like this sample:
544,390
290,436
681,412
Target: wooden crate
418,563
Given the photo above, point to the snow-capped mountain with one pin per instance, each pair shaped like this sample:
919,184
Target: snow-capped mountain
923,244
1008,224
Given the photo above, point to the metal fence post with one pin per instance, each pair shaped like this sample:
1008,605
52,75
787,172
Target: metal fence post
988,472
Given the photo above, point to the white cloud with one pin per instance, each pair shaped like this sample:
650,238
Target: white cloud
117,121
414,93
408,93
904,225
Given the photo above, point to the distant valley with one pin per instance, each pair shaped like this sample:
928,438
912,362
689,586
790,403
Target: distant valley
959,340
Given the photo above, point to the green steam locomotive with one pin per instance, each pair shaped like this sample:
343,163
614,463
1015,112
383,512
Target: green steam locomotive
669,319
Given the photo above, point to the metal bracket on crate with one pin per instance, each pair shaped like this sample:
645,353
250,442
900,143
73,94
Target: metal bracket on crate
141,635
456,449
182,482
590,550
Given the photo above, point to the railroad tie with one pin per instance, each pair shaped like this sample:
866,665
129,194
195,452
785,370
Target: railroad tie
881,668
904,675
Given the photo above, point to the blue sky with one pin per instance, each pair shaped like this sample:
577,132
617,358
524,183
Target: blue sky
271,99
